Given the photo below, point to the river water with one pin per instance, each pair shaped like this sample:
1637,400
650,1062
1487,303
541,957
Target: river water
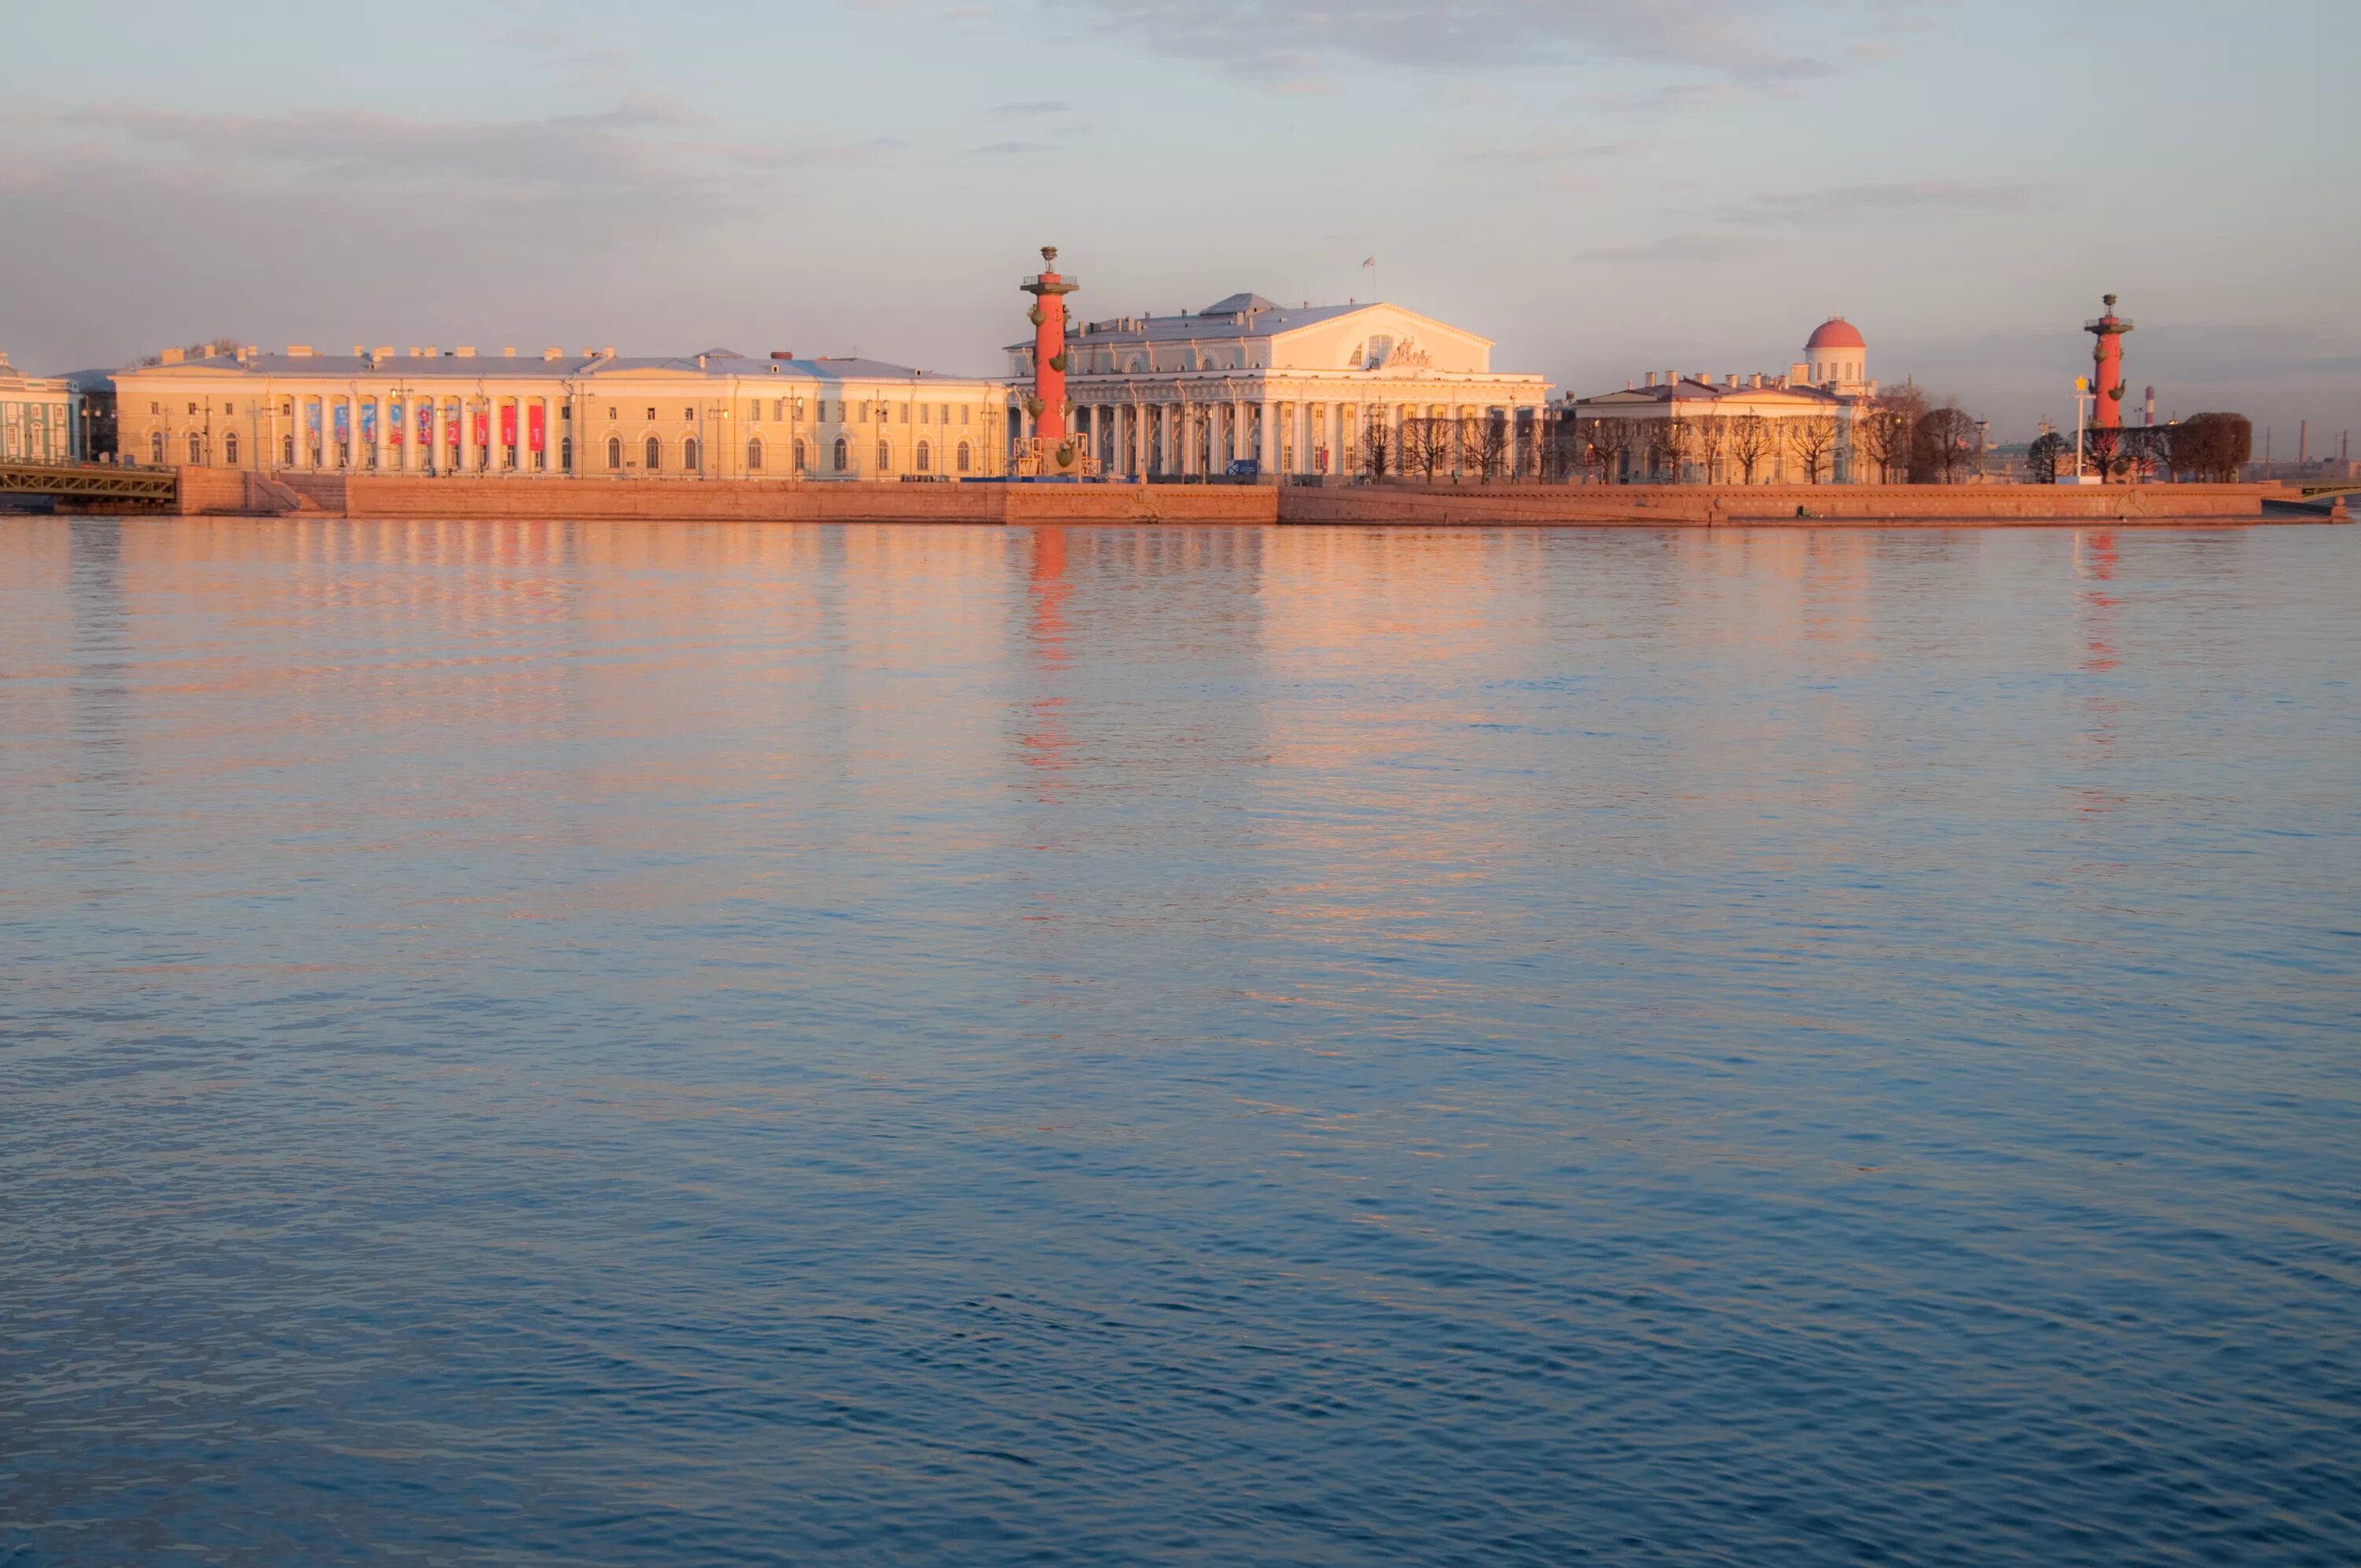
699,1045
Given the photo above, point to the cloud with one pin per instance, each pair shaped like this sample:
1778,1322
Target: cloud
1740,37
1026,110
1872,199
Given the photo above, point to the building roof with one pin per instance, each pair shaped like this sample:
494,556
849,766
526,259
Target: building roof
570,368
1240,315
1704,394
1836,333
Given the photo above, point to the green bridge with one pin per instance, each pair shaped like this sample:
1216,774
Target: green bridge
91,481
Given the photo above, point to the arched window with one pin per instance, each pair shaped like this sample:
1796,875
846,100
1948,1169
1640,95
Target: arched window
156,448
614,452
965,456
926,459
884,458
229,448
799,455
287,451
196,449
843,453
754,455
655,453
689,454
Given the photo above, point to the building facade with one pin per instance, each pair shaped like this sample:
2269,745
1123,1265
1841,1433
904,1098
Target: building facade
41,417
716,415
1799,427
1295,391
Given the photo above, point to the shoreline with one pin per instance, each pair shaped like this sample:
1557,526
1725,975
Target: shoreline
397,498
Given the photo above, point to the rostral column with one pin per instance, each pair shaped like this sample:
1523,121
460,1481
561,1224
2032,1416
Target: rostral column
1050,447
2107,367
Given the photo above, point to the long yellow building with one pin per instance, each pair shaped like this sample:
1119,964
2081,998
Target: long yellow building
590,415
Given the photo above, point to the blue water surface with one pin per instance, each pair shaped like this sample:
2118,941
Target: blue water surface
683,1044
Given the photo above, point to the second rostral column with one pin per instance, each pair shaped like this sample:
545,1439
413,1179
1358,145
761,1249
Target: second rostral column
1051,450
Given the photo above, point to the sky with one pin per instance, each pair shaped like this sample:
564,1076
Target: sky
1605,187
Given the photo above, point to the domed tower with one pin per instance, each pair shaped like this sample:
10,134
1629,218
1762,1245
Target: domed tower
1836,356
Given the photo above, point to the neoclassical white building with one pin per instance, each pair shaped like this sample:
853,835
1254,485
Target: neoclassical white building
553,416
41,417
1293,389
1829,387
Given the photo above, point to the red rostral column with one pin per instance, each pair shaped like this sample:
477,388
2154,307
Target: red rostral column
2107,361
1048,404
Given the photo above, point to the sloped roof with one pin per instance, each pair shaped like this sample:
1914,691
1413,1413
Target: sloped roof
453,368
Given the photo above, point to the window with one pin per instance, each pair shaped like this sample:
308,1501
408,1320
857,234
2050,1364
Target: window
963,413
156,448
192,407
287,451
286,407
688,413
155,408
964,456
655,452
651,413
923,411
196,447
799,455
843,452
614,452
754,411
884,458
610,413
778,409
565,455
926,459
689,454
754,455
906,414
229,448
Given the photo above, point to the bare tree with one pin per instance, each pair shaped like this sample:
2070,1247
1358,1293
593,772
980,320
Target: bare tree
1483,445
1883,430
1378,453
1751,439
1813,440
1605,440
1944,445
1427,445
2050,451
1669,441
2212,447
1708,439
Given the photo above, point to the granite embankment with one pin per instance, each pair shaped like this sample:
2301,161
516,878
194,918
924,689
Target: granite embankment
392,497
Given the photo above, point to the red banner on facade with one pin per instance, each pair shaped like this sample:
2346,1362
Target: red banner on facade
508,424
534,415
483,429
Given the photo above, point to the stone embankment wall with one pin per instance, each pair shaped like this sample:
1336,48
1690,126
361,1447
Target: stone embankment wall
393,496
1700,506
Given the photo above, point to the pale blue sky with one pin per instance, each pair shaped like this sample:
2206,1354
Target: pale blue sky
1604,186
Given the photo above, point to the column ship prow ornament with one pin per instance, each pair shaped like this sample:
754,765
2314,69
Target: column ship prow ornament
1049,450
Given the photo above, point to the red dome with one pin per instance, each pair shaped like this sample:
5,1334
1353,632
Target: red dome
1836,333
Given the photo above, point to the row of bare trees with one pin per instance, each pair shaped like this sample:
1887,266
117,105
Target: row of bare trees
2207,447
1426,446
1618,450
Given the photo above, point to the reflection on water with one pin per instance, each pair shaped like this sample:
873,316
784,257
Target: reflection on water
540,1043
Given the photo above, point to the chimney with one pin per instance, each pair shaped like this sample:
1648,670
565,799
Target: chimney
360,351
1672,378
385,351
550,353
1799,374
2151,405
1756,383
2303,441
1652,378
1733,378
464,352
607,352
172,356
299,351
510,352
